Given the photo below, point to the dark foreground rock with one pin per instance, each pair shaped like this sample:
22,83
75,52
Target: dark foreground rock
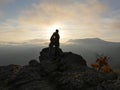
68,71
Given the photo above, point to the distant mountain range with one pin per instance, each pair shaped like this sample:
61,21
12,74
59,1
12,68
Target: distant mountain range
89,48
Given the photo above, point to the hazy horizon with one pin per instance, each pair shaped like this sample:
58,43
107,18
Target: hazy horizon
89,49
45,42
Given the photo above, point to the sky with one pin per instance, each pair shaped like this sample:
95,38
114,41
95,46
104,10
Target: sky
31,21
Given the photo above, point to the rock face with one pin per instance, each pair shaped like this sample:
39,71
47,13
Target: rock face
68,71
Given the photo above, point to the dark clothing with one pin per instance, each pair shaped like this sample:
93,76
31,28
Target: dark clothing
54,41
55,38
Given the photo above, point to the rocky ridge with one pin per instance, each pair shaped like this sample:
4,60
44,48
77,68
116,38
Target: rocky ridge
69,71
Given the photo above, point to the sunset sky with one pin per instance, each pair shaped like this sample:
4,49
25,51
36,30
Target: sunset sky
35,20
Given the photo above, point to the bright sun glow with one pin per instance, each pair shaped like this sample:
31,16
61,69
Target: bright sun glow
53,28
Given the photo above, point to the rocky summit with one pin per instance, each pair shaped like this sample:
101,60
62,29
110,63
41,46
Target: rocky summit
68,71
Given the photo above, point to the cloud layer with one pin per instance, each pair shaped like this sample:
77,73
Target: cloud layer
64,12
81,18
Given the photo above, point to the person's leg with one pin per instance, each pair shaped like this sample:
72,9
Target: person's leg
50,51
56,49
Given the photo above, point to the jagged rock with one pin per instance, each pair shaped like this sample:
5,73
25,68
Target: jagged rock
46,63
44,54
109,85
67,60
108,76
68,71
72,61
29,78
8,74
33,62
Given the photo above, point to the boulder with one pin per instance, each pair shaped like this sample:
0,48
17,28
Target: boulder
45,53
33,62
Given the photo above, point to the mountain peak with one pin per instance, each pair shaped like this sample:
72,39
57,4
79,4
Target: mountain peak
88,41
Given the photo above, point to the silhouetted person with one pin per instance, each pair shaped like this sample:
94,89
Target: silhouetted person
54,41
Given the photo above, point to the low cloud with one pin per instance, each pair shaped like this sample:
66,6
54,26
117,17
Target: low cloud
115,25
81,13
41,42
82,16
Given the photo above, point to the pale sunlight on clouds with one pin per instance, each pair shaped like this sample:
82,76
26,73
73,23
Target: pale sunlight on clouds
55,26
84,15
79,19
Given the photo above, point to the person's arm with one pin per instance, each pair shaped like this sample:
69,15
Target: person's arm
52,37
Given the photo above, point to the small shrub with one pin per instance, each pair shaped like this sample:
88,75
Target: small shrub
102,64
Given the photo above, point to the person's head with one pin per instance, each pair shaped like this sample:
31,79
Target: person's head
57,30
